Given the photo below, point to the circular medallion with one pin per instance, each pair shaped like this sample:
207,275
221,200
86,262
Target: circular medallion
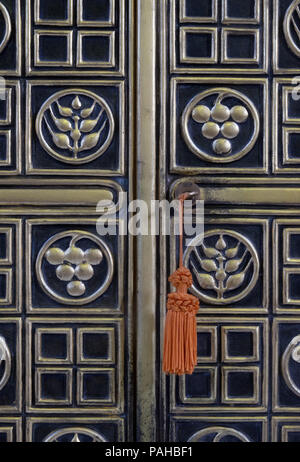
225,267
220,125
74,267
75,126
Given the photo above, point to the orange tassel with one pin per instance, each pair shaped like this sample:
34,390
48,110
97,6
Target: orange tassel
180,340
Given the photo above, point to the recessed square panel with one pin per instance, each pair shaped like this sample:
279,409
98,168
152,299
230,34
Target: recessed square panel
216,429
5,286
240,46
6,108
240,385
53,386
291,246
96,346
240,344
10,429
5,148
96,13
6,241
96,49
53,346
96,386
207,344
195,11
53,12
53,48
237,12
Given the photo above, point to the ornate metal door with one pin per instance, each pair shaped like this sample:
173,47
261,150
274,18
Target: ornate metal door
66,131
229,122
100,97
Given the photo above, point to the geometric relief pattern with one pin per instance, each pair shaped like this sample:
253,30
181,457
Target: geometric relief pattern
287,126
74,270
287,266
219,429
10,130
231,353
75,36
75,128
74,366
10,266
230,266
286,384
240,28
79,430
219,126
10,37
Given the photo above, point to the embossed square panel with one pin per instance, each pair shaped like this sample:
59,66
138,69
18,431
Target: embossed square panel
218,126
58,42
240,344
10,38
206,390
66,430
286,358
96,49
10,366
286,111
75,128
218,386
10,130
10,266
10,430
243,246
219,429
286,429
54,345
286,238
235,12
54,13
243,49
96,345
53,48
58,381
72,268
